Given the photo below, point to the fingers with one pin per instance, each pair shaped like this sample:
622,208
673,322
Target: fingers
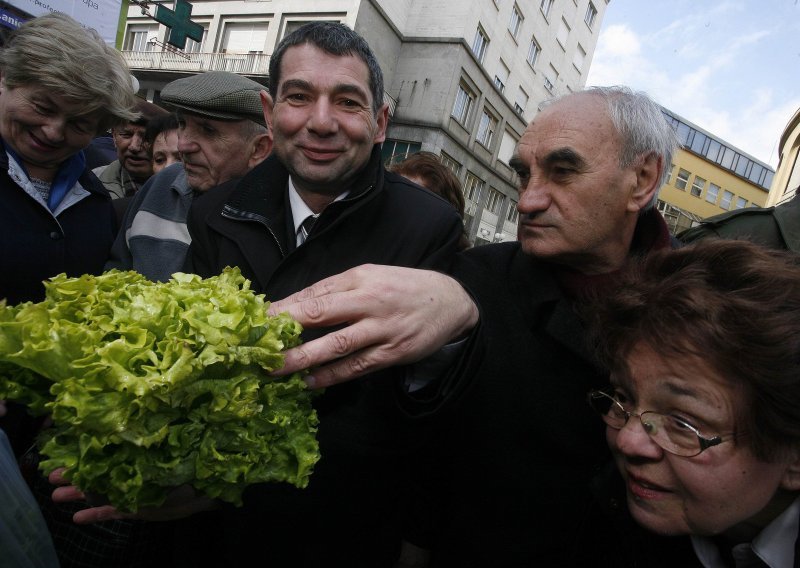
56,477
331,346
97,515
305,297
67,493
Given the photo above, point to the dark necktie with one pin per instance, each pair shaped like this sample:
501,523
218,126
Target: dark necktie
305,227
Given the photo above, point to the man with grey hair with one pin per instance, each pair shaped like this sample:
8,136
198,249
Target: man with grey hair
222,135
507,481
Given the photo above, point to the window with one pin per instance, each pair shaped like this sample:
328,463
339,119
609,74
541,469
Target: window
501,77
669,173
463,106
193,46
512,214
139,38
591,14
713,192
486,128
494,201
516,21
480,43
451,163
682,179
473,186
727,158
394,151
550,80
545,7
725,202
563,33
697,186
244,37
741,202
507,145
579,58
522,101
533,52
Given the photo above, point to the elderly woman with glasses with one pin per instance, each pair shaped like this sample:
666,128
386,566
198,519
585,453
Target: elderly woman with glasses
703,411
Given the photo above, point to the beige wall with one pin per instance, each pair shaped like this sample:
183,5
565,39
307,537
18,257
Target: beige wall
787,176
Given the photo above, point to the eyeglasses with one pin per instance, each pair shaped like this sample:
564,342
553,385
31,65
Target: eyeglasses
670,432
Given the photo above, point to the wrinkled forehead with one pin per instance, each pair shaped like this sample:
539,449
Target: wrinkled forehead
580,121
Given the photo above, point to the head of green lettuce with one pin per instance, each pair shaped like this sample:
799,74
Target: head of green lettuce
156,385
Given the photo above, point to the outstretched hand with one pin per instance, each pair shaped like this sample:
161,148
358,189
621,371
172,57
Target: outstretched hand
181,502
394,316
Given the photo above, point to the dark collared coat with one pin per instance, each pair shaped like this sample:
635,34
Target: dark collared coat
347,515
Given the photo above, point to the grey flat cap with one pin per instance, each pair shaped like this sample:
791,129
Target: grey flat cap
216,94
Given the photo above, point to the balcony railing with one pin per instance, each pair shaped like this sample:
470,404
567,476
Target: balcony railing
246,63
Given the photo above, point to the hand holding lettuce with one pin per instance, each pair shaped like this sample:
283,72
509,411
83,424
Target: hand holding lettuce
156,385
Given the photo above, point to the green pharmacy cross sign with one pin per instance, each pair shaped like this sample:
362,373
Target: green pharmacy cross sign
179,23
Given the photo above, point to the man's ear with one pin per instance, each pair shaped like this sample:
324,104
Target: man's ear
648,180
791,477
267,105
382,120
262,146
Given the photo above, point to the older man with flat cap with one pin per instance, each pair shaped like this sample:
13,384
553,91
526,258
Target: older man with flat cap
222,135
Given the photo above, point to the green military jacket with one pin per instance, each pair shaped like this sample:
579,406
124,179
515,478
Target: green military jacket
774,227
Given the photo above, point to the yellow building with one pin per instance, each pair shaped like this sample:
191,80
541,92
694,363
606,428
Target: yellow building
709,176
786,183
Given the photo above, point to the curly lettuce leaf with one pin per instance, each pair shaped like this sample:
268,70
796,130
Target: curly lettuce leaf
155,385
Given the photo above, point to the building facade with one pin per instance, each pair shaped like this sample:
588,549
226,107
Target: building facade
709,176
786,183
462,77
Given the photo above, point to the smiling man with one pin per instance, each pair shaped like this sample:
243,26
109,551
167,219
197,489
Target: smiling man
323,203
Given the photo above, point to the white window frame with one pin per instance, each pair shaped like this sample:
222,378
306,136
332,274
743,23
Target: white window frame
515,23
534,49
494,201
473,187
682,181
591,15
462,109
698,185
727,199
480,44
713,193
545,6
486,129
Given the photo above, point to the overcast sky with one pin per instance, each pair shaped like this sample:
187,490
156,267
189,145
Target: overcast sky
730,66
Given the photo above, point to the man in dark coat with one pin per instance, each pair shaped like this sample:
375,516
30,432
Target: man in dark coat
508,478
320,204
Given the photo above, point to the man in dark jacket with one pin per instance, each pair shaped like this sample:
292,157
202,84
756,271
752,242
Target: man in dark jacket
508,478
323,203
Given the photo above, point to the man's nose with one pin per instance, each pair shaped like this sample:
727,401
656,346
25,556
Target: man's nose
137,142
534,196
322,120
186,143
